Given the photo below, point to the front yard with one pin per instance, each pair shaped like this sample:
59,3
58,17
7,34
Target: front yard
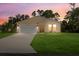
56,43
4,34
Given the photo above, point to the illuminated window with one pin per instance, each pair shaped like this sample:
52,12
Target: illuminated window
54,27
50,27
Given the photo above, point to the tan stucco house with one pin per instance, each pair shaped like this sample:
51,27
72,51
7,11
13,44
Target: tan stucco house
45,24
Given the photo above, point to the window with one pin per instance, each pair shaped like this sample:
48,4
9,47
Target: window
54,27
50,27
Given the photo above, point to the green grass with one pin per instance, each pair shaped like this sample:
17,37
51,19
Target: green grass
56,43
4,34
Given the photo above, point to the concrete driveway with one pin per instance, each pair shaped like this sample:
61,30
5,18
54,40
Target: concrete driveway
20,42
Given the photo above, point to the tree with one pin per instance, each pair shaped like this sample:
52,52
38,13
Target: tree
18,17
48,14
34,13
22,17
12,23
73,5
27,16
70,13
57,15
64,26
73,17
10,26
40,12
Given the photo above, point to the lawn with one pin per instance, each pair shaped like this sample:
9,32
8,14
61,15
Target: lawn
4,34
56,43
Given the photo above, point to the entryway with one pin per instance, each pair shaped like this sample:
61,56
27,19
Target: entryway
52,28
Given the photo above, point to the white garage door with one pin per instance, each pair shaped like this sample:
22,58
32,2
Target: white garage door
28,28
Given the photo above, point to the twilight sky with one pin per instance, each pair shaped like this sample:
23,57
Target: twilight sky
11,9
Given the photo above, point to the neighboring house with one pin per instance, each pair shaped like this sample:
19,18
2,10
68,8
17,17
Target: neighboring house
45,24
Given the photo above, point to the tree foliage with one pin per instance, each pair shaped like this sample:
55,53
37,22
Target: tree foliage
73,20
11,25
34,13
46,13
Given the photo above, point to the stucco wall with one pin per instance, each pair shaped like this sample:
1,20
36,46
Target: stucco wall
58,27
43,23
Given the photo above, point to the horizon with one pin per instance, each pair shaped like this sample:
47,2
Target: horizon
12,9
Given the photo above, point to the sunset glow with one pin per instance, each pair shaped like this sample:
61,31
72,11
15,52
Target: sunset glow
2,21
10,9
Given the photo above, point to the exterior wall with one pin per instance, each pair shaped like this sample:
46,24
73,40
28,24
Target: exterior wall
42,23
46,28
58,27
41,27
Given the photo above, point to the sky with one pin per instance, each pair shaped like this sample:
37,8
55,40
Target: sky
11,9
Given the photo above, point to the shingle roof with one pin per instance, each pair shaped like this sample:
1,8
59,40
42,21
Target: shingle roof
38,19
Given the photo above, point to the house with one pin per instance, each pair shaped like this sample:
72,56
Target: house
45,24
